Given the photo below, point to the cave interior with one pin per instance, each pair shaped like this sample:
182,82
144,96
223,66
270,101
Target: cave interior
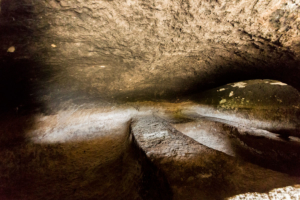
149,99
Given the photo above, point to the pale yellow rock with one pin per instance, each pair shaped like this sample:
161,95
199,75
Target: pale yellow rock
11,49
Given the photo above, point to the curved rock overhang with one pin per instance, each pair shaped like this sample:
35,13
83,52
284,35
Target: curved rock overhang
141,50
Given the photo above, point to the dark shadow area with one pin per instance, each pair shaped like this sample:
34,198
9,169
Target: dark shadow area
19,72
154,184
21,84
285,133
222,72
278,155
285,71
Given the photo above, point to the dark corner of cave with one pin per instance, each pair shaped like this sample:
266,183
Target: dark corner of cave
148,100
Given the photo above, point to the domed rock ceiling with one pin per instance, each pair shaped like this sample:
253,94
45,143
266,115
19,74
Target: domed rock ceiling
137,99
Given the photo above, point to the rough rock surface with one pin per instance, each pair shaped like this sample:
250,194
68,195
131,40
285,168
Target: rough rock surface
70,68
106,167
102,154
78,50
195,171
280,193
257,146
262,104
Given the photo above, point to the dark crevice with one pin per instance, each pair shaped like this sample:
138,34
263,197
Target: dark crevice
154,184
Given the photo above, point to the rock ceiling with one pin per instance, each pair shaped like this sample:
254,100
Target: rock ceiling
150,49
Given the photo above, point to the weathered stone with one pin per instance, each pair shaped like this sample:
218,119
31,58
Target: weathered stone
253,145
75,61
263,104
186,158
154,49
280,193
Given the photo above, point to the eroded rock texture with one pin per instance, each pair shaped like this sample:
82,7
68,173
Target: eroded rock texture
148,49
108,99
197,172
